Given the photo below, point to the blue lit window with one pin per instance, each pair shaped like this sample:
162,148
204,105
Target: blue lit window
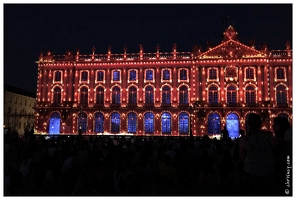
280,73
99,122
213,95
213,74
183,123
232,125
116,95
231,94
149,97
149,75
57,76
116,76
214,126
84,76
115,122
166,122
166,95
281,96
133,75
132,95
250,95
166,74
183,74
82,121
183,94
57,95
149,122
132,122
249,73
100,76
100,95
83,95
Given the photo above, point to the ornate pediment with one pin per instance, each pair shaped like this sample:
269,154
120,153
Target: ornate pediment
232,49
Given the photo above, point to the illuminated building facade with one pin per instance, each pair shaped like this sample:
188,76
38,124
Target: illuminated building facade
163,93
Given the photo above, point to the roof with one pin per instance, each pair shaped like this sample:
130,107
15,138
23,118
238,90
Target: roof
13,89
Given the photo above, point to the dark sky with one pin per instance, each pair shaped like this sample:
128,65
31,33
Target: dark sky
30,29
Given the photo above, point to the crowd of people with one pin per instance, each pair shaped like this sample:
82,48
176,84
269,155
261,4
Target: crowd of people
254,164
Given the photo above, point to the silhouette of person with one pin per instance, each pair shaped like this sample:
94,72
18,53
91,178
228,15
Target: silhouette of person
225,133
256,153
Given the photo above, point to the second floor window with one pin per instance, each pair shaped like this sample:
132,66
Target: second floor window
116,95
250,95
281,96
166,74
132,75
149,95
213,95
57,76
57,95
231,94
116,76
84,95
84,76
100,95
166,95
100,76
280,73
132,95
249,73
213,74
183,95
183,74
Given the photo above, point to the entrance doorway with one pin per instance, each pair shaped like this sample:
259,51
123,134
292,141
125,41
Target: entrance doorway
54,124
232,125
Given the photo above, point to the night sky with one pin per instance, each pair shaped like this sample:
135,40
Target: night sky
30,29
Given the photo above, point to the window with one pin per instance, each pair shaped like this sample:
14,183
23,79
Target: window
213,95
132,122
115,122
115,95
132,75
132,95
183,95
214,124
166,74
166,95
166,123
149,95
57,76
83,95
149,122
249,73
57,95
84,76
25,102
82,121
250,95
281,96
149,75
100,76
231,94
280,73
213,74
183,74
183,123
116,75
99,122
100,95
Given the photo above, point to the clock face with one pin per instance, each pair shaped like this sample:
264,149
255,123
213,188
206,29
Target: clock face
230,34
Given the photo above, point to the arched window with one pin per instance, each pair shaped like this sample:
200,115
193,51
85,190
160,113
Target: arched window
57,95
281,96
213,95
166,122
99,122
149,95
100,95
166,95
231,94
183,94
232,125
82,121
183,123
132,122
132,95
115,122
280,73
83,95
250,95
116,95
149,122
54,123
214,124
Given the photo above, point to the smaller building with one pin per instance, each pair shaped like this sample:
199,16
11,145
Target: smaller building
18,108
